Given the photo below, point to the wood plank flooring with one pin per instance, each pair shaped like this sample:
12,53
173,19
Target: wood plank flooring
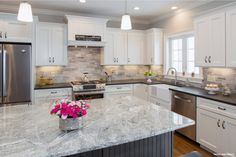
183,145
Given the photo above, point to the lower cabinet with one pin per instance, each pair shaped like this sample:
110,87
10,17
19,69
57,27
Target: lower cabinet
52,95
215,130
118,91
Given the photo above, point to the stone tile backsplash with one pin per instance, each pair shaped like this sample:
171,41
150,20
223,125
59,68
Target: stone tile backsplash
221,76
82,60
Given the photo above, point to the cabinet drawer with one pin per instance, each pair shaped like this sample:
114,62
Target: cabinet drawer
217,107
119,88
53,92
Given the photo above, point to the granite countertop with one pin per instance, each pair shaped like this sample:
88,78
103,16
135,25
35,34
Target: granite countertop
55,85
203,93
28,131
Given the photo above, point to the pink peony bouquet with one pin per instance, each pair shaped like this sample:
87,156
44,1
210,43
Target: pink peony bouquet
70,109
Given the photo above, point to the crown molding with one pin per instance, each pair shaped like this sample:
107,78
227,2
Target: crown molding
39,11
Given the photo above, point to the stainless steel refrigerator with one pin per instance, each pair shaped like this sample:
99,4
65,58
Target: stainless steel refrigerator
15,73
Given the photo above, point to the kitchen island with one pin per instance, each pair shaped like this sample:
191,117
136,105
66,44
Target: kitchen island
112,126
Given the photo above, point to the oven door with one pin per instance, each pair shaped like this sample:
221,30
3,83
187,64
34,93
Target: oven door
88,95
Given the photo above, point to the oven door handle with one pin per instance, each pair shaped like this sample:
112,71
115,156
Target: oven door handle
182,99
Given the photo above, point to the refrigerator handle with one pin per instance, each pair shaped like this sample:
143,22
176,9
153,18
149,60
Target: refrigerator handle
4,74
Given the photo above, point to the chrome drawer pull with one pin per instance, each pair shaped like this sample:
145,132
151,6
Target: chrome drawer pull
53,92
182,99
221,108
223,125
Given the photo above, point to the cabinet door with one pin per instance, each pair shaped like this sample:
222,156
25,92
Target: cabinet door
136,47
43,45
228,142
141,91
231,38
108,56
120,47
149,48
117,94
58,44
18,31
208,125
217,40
202,33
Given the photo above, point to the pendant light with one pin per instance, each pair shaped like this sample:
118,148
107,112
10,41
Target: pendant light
25,12
126,21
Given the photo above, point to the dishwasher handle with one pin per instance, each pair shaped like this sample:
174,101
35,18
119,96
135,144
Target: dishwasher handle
182,99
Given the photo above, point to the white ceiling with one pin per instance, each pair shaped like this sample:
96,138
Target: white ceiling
149,9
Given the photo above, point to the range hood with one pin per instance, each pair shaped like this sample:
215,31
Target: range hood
86,31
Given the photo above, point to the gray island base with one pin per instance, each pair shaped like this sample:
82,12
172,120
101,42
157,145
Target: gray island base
113,127
157,146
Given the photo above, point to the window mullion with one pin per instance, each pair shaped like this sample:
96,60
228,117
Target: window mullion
185,54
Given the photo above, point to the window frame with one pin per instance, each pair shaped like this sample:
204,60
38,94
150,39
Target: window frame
168,56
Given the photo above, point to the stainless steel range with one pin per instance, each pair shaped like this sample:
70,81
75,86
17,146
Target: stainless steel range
88,90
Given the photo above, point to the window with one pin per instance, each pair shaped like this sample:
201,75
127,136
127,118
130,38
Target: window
181,53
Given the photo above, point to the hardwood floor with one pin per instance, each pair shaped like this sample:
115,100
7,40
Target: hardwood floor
183,145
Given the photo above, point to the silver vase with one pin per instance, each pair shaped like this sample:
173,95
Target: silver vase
70,124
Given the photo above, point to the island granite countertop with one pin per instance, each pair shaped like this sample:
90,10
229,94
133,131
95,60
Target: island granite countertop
28,131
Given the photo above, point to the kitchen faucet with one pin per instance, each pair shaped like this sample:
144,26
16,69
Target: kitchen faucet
171,68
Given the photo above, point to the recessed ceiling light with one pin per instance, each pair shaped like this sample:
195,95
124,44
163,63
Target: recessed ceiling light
82,1
174,7
136,8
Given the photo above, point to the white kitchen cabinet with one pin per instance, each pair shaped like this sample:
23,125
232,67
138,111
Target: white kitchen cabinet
51,44
118,91
207,129
78,25
154,47
136,47
52,95
115,51
231,38
216,126
141,91
15,31
210,40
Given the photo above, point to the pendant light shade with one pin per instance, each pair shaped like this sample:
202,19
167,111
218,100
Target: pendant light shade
25,12
126,22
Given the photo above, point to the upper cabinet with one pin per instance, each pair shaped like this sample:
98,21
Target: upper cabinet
51,44
154,47
115,51
135,47
12,30
210,40
231,38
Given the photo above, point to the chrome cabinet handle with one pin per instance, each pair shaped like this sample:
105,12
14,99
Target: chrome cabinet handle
53,59
218,123
5,34
4,81
0,34
182,99
50,60
114,60
209,59
223,124
53,92
221,108
117,60
128,59
205,59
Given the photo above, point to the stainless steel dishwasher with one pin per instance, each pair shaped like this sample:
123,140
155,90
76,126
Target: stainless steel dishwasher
185,104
